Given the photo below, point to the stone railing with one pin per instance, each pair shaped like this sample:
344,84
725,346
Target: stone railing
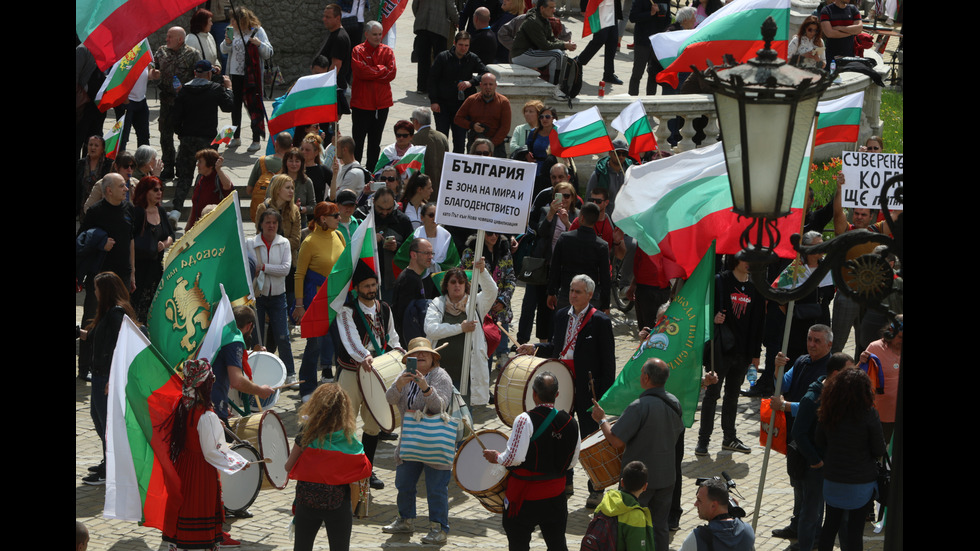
521,84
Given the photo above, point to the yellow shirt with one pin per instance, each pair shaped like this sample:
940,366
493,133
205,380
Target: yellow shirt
319,252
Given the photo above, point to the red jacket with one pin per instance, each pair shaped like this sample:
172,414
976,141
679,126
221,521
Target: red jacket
373,70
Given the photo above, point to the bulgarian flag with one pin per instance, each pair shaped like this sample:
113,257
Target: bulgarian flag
109,28
112,138
635,125
734,29
677,339
581,134
388,12
599,14
675,208
333,294
141,481
839,120
411,162
222,331
312,99
225,135
123,76
332,460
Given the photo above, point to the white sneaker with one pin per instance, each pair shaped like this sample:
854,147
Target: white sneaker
235,142
290,379
174,217
254,147
400,526
435,536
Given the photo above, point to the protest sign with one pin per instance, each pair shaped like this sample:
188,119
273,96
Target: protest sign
864,175
485,193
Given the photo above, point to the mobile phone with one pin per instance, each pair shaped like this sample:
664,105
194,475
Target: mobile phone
413,365
229,32
558,197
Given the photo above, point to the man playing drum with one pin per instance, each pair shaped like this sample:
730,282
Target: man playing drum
583,340
650,428
366,331
543,446
228,370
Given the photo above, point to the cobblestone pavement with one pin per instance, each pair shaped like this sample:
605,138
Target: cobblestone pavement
472,526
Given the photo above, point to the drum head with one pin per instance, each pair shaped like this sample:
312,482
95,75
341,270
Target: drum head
566,386
513,391
267,369
239,490
472,471
374,385
274,445
593,439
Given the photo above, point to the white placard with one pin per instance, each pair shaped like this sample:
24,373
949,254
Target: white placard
864,175
485,193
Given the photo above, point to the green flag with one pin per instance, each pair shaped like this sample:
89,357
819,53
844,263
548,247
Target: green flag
678,339
209,254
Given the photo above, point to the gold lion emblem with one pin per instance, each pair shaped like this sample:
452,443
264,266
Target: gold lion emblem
188,308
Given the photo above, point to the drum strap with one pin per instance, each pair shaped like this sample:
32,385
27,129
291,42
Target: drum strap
378,350
544,424
571,342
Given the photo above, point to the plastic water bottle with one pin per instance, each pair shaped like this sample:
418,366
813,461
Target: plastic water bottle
833,66
176,82
602,88
752,375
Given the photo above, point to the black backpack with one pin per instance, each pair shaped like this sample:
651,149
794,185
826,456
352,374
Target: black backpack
570,78
601,533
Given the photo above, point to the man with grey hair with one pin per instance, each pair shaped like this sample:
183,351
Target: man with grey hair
436,145
649,429
807,369
373,66
538,467
582,338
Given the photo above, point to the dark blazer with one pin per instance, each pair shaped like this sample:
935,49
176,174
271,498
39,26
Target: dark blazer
577,252
594,352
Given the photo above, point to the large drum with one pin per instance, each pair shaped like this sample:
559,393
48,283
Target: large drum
239,490
602,462
486,481
513,389
266,433
374,384
267,369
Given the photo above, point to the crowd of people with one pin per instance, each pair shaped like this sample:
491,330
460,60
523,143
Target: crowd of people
310,194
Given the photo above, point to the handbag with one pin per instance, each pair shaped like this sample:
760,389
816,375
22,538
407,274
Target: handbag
779,433
534,271
428,439
461,413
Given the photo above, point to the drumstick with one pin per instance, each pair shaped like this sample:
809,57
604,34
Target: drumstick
478,441
264,460
441,346
509,336
288,385
592,386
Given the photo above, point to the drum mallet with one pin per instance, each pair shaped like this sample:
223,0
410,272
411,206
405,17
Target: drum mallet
478,441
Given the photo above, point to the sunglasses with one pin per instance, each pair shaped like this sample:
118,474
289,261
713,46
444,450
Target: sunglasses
484,153
157,189
566,195
546,117
403,135
430,215
334,215
390,178
597,200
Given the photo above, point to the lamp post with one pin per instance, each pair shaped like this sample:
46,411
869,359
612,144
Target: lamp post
765,111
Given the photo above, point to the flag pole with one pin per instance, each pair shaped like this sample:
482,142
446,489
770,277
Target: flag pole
464,378
333,180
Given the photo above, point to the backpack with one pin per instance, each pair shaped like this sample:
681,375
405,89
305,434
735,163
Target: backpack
570,78
261,185
601,533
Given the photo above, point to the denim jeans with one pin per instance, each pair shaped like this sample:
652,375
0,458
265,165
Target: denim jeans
436,491
275,308
317,348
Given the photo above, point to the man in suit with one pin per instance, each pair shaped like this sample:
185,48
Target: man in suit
583,340
580,251
649,429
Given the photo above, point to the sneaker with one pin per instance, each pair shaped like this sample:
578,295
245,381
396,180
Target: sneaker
701,450
736,445
305,398
387,436
226,541
174,217
254,147
100,468
595,498
290,379
235,142
95,479
786,533
612,79
399,525
377,484
435,536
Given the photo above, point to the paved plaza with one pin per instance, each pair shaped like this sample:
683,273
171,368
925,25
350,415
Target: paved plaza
472,527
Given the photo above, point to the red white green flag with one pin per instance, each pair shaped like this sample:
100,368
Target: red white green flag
123,76
225,135
312,99
599,14
675,208
141,481
332,460
109,28
581,134
112,138
839,120
635,125
411,162
734,29
388,12
333,293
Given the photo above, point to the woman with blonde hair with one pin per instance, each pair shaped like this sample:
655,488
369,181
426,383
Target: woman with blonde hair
519,136
320,174
326,459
